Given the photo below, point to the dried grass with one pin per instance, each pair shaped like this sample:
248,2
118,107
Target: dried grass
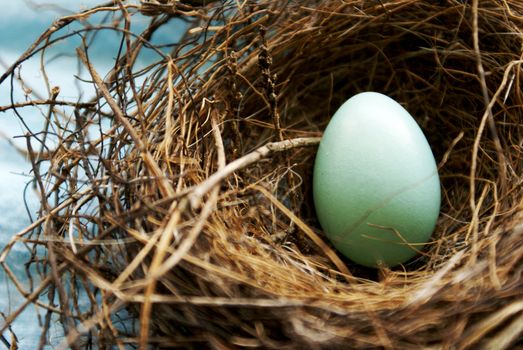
193,209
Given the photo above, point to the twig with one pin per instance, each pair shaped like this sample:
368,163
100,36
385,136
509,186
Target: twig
309,232
157,270
57,25
164,184
33,103
507,336
490,322
246,160
73,198
477,139
47,320
5,341
269,81
484,90
66,319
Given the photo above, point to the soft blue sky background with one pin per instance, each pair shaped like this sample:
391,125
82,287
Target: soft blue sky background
19,26
21,22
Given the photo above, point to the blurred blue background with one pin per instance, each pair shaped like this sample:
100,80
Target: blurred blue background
21,22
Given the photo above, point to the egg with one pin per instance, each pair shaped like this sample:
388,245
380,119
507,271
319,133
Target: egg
376,186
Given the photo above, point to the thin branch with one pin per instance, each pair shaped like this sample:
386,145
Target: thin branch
248,159
46,103
164,184
161,269
57,25
484,90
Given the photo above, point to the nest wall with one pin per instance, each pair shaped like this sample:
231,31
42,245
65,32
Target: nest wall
205,180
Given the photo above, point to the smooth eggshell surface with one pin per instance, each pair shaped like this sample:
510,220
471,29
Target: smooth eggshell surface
376,185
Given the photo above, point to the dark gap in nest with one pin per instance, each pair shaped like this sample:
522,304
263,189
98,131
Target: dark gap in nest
436,83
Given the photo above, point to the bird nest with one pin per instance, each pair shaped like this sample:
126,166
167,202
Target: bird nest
180,195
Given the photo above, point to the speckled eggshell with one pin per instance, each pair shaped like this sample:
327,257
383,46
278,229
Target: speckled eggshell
376,185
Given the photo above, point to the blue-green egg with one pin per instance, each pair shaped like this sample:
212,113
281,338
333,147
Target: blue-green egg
375,184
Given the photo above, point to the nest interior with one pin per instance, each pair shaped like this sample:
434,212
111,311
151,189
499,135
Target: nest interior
203,178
